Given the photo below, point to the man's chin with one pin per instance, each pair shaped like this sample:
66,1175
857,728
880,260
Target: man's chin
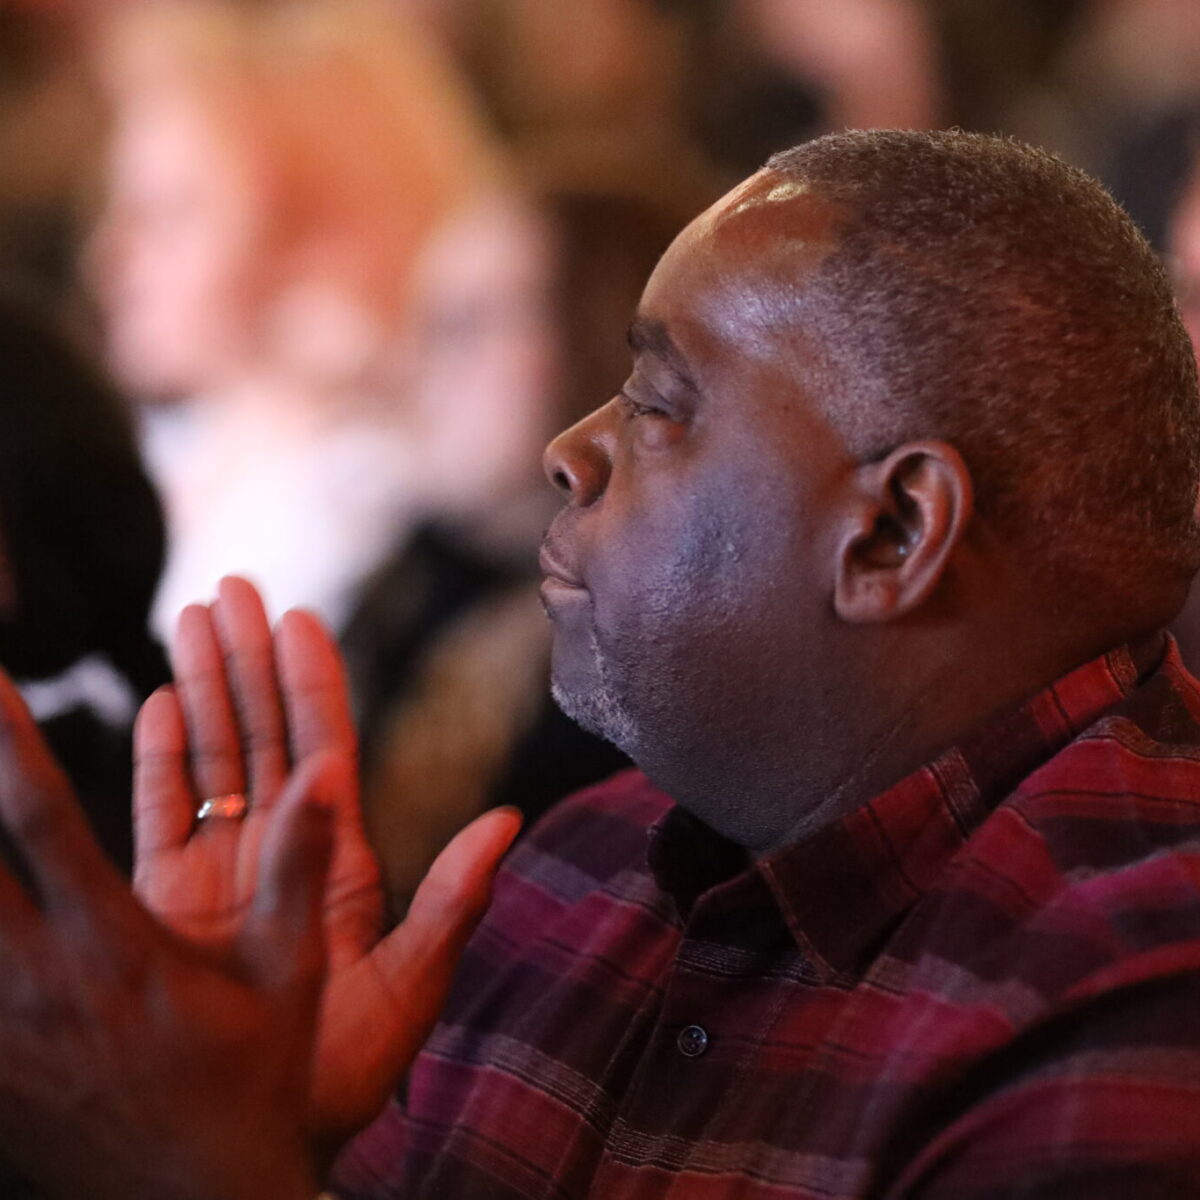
598,711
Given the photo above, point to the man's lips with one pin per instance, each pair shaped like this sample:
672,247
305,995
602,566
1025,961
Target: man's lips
557,575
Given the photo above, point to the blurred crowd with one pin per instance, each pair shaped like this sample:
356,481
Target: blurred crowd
349,263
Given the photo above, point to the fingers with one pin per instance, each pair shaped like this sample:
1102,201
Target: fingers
456,890
445,910
39,811
164,807
229,676
283,934
314,687
245,639
320,723
215,746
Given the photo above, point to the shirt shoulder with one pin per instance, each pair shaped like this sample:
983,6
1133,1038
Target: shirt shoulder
1065,954
1060,951
1089,871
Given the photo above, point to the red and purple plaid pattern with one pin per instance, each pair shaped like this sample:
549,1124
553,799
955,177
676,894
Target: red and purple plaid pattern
984,983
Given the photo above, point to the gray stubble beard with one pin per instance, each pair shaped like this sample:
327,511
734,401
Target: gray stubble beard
600,710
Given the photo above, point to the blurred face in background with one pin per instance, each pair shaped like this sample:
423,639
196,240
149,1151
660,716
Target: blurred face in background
276,173
485,359
173,259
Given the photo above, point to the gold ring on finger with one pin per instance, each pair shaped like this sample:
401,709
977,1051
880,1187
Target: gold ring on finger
230,807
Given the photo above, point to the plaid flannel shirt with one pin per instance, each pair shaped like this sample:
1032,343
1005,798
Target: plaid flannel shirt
984,983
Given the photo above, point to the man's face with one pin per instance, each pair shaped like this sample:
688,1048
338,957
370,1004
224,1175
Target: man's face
689,576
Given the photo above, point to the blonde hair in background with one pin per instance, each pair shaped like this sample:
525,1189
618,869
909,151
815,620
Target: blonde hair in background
356,137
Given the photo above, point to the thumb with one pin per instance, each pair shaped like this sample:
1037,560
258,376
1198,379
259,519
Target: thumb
391,999
283,935
419,957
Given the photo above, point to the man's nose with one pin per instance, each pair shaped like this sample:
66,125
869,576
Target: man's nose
578,462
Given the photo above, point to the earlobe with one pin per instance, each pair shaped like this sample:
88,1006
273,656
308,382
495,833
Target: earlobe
910,512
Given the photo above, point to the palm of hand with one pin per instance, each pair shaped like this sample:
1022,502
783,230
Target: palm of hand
246,707
202,887
202,890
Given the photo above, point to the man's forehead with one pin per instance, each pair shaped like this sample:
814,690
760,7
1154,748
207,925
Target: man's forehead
740,267
769,212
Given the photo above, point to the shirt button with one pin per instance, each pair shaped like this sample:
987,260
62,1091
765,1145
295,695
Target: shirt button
692,1041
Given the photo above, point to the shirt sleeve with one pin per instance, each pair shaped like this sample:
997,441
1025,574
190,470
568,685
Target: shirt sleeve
1102,1099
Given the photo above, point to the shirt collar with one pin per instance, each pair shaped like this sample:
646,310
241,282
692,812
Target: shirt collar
843,889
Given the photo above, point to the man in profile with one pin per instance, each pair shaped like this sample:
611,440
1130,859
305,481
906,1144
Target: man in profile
866,568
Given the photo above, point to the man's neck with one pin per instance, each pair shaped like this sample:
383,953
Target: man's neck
842,762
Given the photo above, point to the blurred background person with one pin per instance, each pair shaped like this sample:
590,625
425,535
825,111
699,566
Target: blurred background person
51,126
81,548
589,96
768,74
1184,239
1183,242
305,228
1118,99
340,314
449,648
673,99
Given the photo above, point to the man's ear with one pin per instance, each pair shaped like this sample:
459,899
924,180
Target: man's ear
911,510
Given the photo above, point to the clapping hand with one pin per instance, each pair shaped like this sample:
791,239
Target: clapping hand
245,707
213,1036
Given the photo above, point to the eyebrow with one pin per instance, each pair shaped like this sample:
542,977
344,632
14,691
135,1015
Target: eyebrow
647,336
